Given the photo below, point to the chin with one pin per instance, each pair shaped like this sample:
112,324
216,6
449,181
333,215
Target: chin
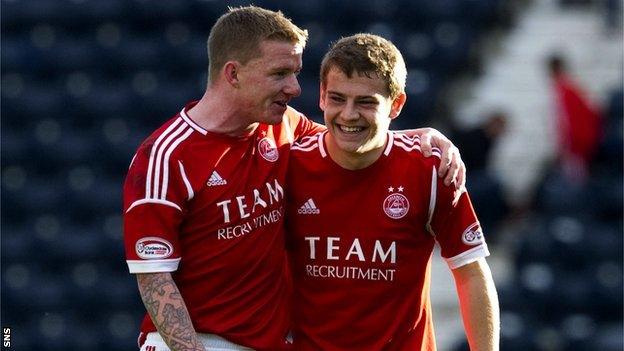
349,147
273,119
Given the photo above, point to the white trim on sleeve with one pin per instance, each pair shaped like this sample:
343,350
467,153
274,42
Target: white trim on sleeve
153,266
321,138
163,192
432,200
153,201
468,256
189,188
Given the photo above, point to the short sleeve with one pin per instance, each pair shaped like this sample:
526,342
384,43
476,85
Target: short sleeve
155,192
455,225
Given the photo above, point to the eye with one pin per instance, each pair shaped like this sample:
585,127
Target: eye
336,98
369,103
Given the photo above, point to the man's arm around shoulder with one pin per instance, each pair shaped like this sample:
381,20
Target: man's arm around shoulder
479,305
165,305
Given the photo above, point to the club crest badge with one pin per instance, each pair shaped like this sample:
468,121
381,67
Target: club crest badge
396,205
267,149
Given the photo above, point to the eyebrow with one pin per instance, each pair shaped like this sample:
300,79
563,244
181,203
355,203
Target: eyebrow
360,97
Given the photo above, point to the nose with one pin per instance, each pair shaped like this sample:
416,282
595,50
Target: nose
292,87
348,112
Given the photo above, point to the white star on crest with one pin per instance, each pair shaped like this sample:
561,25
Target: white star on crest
400,188
390,189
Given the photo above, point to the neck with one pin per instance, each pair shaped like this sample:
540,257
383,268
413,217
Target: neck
353,160
216,113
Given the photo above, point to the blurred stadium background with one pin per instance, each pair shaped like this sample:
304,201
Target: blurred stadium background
84,81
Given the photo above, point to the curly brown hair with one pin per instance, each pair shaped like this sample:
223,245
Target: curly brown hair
369,55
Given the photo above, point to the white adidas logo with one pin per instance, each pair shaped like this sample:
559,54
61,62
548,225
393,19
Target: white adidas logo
309,208
215,179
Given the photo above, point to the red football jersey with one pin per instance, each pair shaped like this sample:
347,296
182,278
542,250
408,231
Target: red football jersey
361,243
210,208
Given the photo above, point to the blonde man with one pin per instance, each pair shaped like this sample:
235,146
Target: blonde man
365,208
204,196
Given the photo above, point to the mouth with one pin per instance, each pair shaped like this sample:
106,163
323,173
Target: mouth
281,103
350,129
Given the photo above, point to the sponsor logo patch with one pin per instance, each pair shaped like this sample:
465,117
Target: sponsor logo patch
267,149
396,205
153,248
473,235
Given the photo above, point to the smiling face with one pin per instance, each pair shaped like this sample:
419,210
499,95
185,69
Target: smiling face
267,83
357,112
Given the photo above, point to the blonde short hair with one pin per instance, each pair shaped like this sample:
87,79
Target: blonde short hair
367,54
238,33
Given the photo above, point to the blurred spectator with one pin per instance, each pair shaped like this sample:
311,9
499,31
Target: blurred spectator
578,121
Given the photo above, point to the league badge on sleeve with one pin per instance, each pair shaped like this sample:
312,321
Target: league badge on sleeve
153,248
396,205
473,235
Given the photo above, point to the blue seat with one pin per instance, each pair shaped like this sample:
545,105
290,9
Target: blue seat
569,246
73,54
417,48
18,54
15,146
452,43
102,196
39,100
605,195
188,58
120,328
606,282
105,100
609,337
480,13
17,242
488,199
578,331
42,195
153,13
556,195
79,243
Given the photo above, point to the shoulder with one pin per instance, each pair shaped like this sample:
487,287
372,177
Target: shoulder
293,115
292,118
408,149
309,144
168,142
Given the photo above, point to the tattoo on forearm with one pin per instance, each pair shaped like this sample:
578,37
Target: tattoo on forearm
165,305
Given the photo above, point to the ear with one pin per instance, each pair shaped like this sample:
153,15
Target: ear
230,72
322,96
397,105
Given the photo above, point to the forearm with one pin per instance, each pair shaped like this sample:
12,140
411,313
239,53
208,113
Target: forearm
479,306
168,311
